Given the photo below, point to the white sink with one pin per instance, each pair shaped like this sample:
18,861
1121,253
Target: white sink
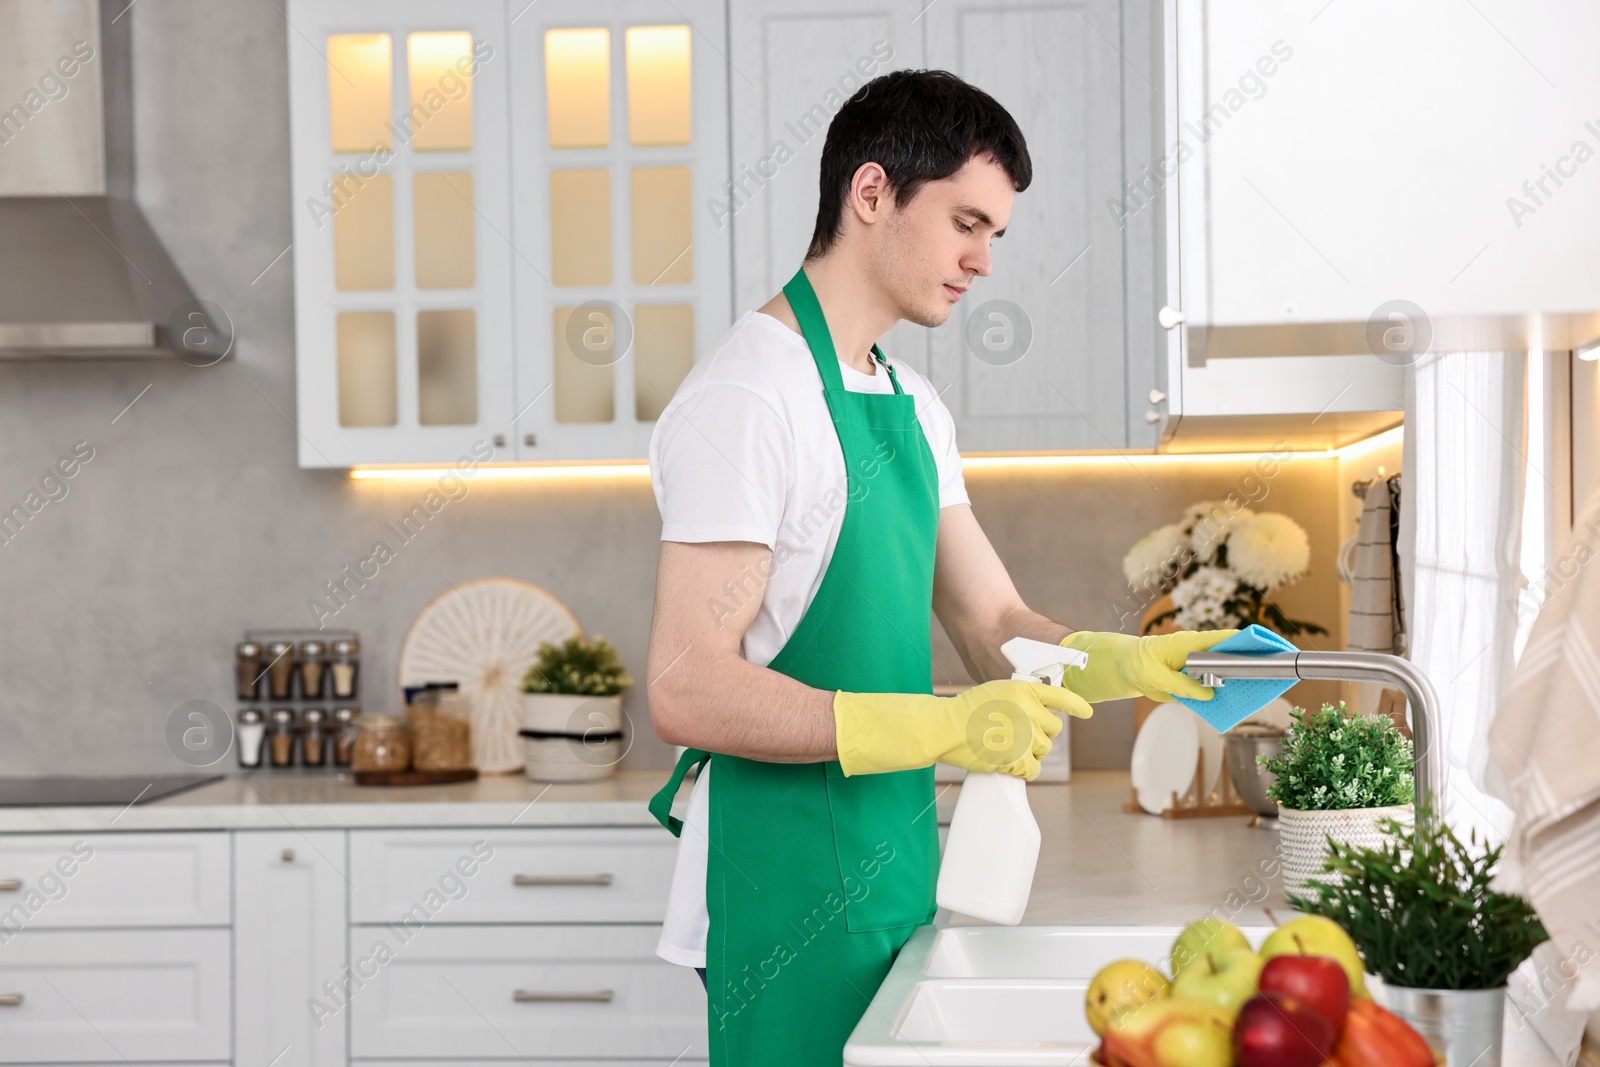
997,996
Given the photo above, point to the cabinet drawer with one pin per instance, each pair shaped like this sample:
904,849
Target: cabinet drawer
460,992
523,876
62,880
142,995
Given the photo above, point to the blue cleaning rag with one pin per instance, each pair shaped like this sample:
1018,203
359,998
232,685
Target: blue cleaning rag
1241,698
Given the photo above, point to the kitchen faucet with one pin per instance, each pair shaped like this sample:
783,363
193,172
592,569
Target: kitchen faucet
1216,668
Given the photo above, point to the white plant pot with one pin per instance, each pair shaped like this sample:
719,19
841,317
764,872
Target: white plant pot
1303,837
573,738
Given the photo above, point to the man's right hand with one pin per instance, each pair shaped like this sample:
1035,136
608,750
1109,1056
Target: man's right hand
1002,726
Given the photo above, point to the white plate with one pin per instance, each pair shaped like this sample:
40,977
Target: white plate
1164,756
1275,713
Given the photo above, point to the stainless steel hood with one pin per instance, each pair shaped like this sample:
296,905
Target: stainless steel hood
82,273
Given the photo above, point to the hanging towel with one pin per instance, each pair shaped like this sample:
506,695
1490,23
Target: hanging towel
1544,741
1241,698
1377,623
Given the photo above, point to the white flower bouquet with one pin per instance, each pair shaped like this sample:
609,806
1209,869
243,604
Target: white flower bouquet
1221,564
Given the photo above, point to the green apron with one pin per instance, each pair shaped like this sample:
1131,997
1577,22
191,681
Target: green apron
813,880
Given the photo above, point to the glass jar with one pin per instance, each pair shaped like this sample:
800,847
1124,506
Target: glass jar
382,744
313,669
247,670
280,738
314,738
344,735
252,732
440,742
344,667
280,670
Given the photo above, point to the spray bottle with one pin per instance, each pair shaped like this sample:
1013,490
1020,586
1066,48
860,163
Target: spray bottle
993,846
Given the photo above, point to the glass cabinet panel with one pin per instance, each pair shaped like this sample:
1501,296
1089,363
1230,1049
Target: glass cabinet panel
447,368
366,368
658,84
663,345
577,72
584,354
440,115
580,227
663,232
363,235
360,87
442,218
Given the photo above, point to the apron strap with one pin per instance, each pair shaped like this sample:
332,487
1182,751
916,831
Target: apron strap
661,803
814,328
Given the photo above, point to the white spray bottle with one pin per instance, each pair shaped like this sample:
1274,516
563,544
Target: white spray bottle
993,846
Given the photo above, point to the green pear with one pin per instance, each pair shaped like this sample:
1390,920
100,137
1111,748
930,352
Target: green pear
1201,936
1316,935
1226,978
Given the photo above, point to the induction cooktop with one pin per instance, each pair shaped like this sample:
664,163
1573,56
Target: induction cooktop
73,791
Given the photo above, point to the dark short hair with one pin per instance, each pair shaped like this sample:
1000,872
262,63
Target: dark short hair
919,126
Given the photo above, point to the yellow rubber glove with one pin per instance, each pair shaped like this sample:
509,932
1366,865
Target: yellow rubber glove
1121,665
1003,726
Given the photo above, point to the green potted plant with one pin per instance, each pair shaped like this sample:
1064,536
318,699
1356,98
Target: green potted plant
1337,777
572,710
1420,909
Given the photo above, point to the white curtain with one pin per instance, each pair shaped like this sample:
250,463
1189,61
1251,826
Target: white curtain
1461,527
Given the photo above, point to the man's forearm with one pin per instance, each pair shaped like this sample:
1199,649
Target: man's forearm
727,704
982,649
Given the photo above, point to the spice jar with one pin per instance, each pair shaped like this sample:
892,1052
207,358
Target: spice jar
344,667
280,669
314,737
381,744
247,670
440,742
344,735
313,669
252,731
280,738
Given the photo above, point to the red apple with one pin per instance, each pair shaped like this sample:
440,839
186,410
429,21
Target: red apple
1315,980
1274,1030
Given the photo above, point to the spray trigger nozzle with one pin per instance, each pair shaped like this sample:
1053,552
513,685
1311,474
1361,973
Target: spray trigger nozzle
1041,661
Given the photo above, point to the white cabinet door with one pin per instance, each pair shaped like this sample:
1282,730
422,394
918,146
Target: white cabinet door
793,64
464,992
1362,153
619,120
402,230
109,879
133,995
289,940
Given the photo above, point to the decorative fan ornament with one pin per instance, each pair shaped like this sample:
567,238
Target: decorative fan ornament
484,635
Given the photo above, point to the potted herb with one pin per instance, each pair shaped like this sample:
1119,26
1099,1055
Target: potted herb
572,710
1420,909
1338,776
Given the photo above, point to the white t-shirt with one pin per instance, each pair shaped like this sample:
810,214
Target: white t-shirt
746,451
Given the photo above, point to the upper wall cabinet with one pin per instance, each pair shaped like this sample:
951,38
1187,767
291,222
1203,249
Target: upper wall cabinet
620,155
505,231
1343,164
1039,354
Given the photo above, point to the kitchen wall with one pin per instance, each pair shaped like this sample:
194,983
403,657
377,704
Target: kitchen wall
191,521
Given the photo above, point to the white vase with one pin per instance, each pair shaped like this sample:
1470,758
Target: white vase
1303,838
569,738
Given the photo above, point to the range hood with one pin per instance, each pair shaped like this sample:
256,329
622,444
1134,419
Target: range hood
82,273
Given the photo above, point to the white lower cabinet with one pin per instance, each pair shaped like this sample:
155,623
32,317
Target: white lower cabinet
534,992
120,995
289,939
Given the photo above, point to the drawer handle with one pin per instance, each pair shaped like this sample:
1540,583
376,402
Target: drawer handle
10,885
561,879
531,996
10,1000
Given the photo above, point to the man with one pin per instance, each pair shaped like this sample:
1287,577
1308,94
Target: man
813,518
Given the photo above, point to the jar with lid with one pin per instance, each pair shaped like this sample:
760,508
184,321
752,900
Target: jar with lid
344,667
314,738
382,744
247,670
280,737
440,742
344,735
252,732
313,669
280,670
